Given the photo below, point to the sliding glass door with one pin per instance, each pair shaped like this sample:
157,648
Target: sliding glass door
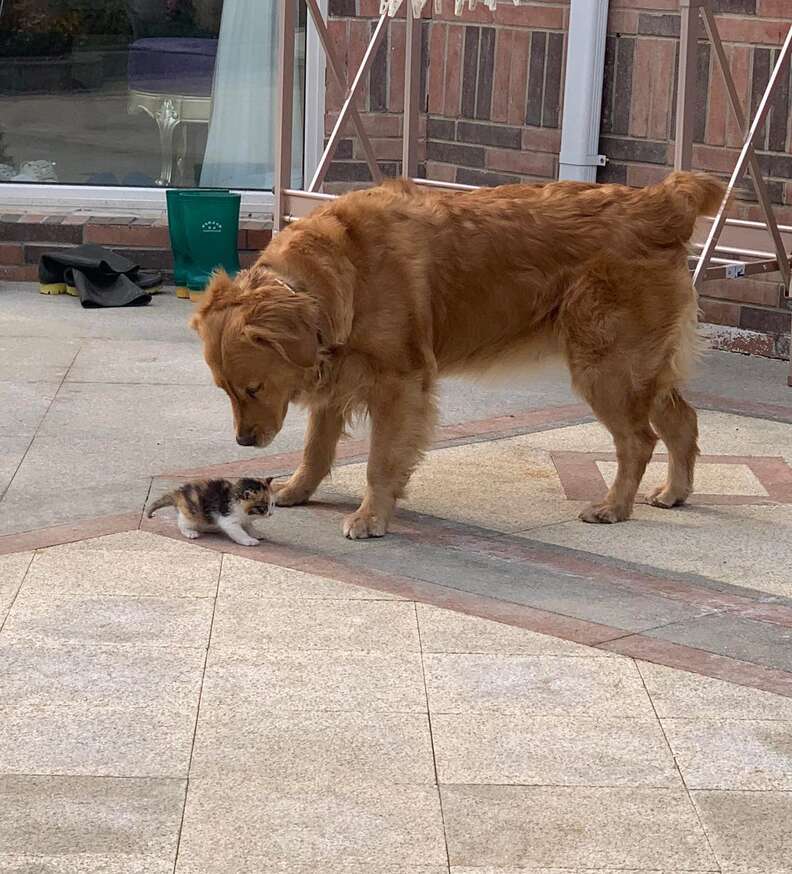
142,93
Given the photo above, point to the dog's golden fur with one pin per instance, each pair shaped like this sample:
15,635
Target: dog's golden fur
362,305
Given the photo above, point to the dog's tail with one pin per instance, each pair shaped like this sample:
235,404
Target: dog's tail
168,500
681,198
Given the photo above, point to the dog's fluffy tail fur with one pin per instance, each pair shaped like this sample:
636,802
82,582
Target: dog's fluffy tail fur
167,500
697,193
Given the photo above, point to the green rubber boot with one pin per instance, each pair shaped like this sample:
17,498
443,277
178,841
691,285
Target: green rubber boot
211,223
178,235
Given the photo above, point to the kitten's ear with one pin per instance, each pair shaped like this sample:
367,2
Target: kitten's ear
268,481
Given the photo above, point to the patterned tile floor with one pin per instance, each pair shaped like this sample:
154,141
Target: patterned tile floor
495,688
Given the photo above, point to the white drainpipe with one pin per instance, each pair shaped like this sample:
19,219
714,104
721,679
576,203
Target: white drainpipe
585,66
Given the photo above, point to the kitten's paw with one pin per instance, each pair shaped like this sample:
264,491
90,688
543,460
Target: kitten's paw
247,541
191,533
361,526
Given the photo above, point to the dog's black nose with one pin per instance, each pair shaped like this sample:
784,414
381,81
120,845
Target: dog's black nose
248,439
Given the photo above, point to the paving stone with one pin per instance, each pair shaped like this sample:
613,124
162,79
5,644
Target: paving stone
108,619
501,748
749,832
275,682
35,362
534,685
132,563
365,626
327,749
115,741
243,577
681,694
732,754
74,819
746,639
12,571
541,826
151,362
245,825
451,632
96,676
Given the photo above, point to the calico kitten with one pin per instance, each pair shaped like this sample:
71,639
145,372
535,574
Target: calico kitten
220,505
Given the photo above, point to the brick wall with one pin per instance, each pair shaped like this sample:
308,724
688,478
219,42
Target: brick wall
492,91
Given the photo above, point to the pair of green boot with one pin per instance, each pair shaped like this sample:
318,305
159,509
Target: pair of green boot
204,227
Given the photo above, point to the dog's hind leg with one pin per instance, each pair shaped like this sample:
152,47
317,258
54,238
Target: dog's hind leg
403,414
321,437
677,424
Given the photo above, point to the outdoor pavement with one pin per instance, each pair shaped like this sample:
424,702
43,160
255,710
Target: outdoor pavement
494,688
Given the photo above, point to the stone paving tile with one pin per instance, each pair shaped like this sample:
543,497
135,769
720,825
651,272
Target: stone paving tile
241,577
99,676
732,754
344,867
152,362
737,545
131,563
12,571
534,685
488,869
35,362
681,694
502,485
366,626
501,748
750,832
151,741
449,632
526,583
49,618
90,823
329,749
745,639
243,826
551,826
256,682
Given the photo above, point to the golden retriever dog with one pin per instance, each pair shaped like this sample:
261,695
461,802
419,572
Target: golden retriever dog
361,306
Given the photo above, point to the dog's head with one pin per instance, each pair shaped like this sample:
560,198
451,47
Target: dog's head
261,342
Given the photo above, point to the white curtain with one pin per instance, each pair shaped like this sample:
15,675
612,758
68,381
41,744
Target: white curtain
240,146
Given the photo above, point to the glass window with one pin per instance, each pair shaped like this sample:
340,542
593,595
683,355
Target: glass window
142,92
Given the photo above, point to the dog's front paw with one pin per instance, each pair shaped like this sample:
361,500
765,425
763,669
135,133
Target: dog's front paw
362,525
292,494
604,514
665,498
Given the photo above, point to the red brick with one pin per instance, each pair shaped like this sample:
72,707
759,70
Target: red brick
453,85
641,81
773,8
359,38
521,163
716,312
751,291
717,108
249,257
369,8
533,16
641,175
541,139
653,67
378,124
258,239
754,31
518,78
654,5
437,70
386,149
11,253
20,273
338,30
714,159
127,235
622,21
440,172
732,339
396,67
76,219
504,44
740,60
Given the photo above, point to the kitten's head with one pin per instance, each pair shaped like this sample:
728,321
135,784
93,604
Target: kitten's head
255,496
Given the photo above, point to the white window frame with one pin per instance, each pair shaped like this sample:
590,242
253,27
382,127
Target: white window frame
14,195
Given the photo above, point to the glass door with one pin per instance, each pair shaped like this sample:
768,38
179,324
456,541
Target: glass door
142,93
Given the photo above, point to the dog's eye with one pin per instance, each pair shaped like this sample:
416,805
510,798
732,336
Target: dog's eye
251,392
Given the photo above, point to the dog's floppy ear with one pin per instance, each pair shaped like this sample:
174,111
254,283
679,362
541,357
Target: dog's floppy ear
216,294
299,346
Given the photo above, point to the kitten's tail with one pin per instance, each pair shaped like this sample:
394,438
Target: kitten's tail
167,500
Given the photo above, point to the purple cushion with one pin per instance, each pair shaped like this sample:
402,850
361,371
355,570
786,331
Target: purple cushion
171,65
